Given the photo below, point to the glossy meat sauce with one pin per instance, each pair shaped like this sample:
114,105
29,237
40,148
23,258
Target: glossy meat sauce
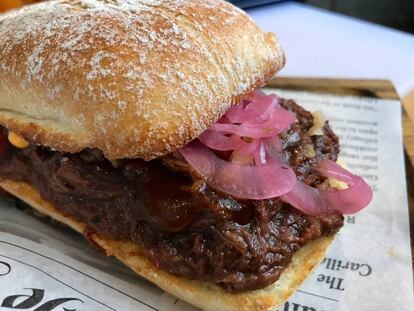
183,225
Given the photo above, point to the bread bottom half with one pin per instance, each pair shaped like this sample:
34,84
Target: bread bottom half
204,295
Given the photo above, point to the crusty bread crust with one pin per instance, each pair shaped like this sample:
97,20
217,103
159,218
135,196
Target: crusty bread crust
133,78
206,296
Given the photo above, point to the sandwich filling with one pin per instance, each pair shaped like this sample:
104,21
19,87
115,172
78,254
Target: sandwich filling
181,223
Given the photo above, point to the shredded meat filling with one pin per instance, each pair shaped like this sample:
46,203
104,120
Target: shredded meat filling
184,226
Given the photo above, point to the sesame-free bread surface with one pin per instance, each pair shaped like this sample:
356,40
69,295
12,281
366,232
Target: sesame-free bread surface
133,78
204,295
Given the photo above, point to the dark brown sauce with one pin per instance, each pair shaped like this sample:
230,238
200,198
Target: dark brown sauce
155,194
169,205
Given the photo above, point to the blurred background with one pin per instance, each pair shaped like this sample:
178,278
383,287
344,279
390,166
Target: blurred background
397,14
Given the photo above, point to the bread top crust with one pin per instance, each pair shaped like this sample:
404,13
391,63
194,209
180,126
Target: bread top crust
133,78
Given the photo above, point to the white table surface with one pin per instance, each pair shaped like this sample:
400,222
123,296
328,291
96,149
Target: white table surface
319,43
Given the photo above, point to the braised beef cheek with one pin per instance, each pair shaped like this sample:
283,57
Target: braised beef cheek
182,225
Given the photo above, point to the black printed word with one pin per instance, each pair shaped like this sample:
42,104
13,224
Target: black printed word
4,268
363,269
333,282
35,300
291,306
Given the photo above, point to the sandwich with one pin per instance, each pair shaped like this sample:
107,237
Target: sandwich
140,124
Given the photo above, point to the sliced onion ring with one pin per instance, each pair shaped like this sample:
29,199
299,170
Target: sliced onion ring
219,141
254,109
241,181
248,148
245,131
306,199
350,200
332,169
316,202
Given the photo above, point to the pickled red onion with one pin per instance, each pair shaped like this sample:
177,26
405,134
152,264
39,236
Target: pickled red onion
250,130
273,145
350,200
332,169
245,131
260,155
258,108
316,202
241,181
248,148
219,141
306,199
